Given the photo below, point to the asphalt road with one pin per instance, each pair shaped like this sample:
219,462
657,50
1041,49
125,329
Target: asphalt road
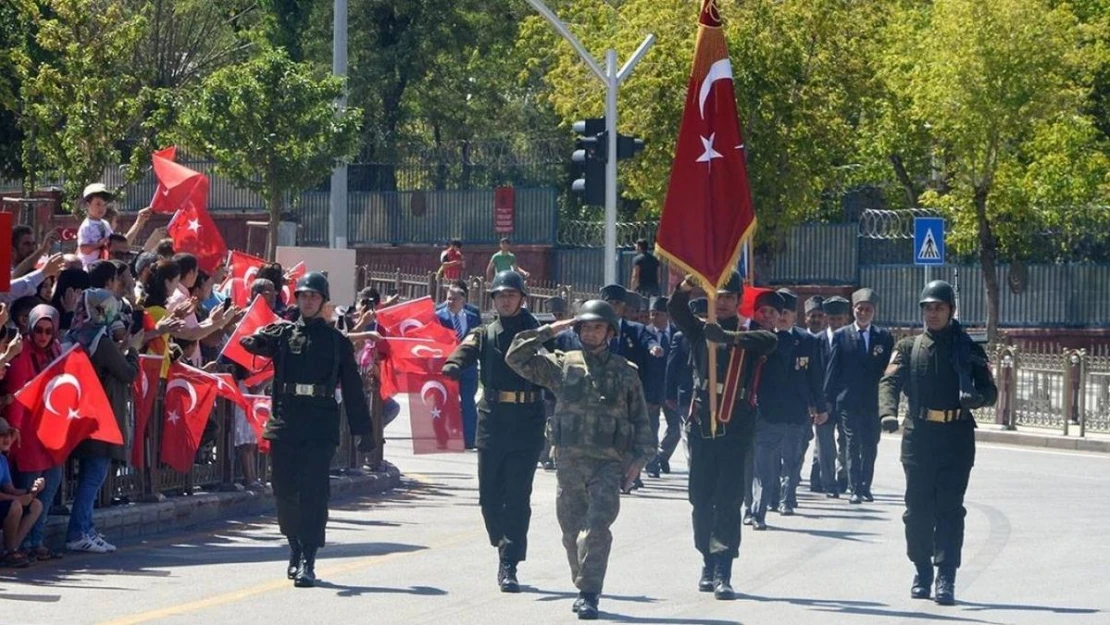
1037,552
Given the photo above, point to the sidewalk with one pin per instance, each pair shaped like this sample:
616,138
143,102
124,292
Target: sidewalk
1043,437
177,513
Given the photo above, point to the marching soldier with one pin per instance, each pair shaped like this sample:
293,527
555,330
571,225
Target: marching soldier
510,425
679,384
311,359
859,354
599,434
719,443
945,376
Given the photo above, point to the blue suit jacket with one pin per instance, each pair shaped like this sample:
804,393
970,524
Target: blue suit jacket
655,369
473,320
852,375
679,377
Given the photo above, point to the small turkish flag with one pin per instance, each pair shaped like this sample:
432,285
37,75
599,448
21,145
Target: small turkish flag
238,290
228,388
708,213
245,266
257,415
193,231
176,183
69,405
258,316
190,395
402,357
401,319
435,413
145,389
292,277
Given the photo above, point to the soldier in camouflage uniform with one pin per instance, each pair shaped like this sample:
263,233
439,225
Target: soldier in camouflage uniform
599,435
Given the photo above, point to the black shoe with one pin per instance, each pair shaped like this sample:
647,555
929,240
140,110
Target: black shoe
758,525
867,496
665,466
588,610
855,499
578,602
945,593
548,465
506,577
306,577
722,579
832,494
816,488
637,483
652,469
705,584
748,518
294,559
922,581
786,510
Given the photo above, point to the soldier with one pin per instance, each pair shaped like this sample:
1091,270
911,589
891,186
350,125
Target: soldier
600,435
859,354
679,383
719,443
557,306
944,376
764,466
829,471
311,359
510,425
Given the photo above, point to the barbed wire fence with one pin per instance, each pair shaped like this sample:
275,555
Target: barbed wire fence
574,233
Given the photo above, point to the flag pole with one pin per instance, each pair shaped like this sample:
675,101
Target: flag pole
711,347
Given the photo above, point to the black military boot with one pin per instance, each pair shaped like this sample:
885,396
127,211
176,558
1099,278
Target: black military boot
922,581
306,577
665,466
294,558
578,602
652,469
945,593
588,610
705,584
506,577
722,578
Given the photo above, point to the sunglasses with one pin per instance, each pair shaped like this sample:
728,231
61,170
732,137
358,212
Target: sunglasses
44,331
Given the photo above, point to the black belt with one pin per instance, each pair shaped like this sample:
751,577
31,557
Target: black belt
306,390
512,397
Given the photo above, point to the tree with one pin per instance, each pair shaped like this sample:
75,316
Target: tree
994,92
81,101
272,126
15,33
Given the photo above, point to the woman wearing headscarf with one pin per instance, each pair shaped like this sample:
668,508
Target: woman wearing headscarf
67,293
117,366
31,460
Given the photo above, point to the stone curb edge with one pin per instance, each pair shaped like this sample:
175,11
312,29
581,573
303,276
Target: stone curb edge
177,513
987,435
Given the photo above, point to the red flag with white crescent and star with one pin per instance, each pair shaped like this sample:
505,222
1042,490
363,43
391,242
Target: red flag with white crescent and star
145,388
435,414
67,404
402,357
403,319
257,415
708,213
190,395
258,316
176,182
194,232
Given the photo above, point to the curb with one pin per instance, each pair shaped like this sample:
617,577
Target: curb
177,513
1044,441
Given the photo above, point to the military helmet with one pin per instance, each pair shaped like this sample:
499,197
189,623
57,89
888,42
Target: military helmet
938,291
734,286
316,282
507,280
598,310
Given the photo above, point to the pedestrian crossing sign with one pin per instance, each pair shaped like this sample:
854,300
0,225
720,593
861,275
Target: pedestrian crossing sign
928,241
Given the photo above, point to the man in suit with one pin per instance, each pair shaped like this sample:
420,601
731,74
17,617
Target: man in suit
654,391
457,316
830,460
859,356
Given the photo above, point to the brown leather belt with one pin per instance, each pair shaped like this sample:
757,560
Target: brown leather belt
518,397
943,416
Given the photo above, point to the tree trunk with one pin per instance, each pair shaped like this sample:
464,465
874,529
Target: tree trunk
988,257
272,231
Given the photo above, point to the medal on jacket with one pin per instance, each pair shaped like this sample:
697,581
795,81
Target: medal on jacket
297,342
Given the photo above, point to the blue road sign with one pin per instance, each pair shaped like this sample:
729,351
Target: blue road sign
928,241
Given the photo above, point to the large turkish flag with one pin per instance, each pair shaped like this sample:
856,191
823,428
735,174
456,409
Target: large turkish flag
708,213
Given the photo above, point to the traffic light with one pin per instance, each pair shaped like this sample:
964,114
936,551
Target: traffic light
590,155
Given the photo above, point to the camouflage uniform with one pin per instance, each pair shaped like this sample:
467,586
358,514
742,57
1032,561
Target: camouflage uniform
600,427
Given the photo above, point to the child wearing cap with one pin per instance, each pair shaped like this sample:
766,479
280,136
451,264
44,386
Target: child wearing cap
92,236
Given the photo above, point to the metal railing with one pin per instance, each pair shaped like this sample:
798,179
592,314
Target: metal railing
1055,388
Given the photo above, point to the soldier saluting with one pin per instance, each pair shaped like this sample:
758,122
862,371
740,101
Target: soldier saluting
510,425
944,376
717,453
311,359
599,433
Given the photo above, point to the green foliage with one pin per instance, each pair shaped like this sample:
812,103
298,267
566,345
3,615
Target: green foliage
271,125
80,102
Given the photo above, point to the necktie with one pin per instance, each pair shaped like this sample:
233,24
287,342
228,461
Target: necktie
863,341
456,320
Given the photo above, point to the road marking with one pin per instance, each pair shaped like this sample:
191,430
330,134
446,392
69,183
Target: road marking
278,584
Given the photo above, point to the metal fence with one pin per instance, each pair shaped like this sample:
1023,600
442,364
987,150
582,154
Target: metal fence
1055,388
814,254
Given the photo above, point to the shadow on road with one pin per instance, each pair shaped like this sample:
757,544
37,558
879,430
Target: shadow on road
868,608
837,534
665,620
557,595
1017,607
357,591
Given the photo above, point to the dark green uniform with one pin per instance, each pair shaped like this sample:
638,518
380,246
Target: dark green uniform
510,432
937,455
311,359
